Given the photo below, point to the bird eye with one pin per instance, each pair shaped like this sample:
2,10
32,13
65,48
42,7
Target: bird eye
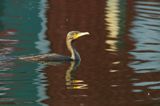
74,33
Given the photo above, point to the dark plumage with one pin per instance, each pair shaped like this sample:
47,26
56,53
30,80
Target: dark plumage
71,36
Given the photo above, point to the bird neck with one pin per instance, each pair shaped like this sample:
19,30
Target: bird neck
74,54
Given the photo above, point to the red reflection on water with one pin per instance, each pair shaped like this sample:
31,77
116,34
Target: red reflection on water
106,72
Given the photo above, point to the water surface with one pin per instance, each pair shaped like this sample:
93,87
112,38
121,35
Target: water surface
120,60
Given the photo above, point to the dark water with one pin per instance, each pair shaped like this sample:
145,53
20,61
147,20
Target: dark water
120,60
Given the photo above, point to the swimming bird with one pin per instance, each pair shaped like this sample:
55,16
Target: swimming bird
71,36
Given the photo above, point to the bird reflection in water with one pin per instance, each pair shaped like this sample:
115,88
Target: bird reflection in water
71,81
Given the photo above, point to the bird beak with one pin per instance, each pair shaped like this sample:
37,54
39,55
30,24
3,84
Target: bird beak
83,33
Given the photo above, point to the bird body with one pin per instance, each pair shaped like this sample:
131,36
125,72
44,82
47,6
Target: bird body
71,36
47,57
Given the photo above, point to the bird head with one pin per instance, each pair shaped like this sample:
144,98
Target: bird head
73,35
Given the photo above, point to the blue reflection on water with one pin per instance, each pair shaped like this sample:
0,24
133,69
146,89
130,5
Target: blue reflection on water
146,34
146,54
22,83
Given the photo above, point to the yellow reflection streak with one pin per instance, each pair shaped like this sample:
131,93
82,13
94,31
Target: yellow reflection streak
112,23
71,82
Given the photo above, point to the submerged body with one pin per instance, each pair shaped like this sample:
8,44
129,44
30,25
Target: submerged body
71,36
47,57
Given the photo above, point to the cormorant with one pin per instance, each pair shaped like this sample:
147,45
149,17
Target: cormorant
71,36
